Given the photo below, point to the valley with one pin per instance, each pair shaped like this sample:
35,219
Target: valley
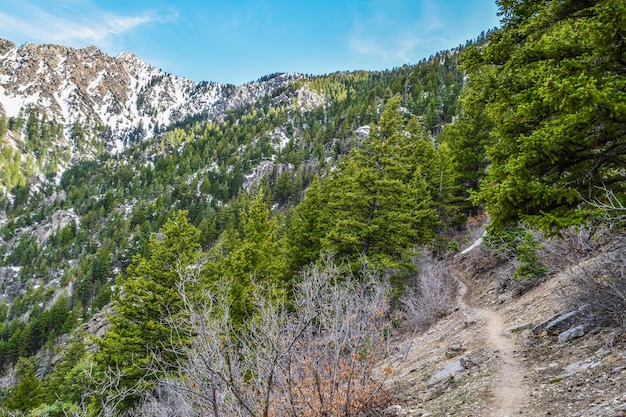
444,238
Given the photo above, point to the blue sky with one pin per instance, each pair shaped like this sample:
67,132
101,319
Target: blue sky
236,41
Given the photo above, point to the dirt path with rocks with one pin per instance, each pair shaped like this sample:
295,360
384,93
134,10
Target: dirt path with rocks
484,359
510,392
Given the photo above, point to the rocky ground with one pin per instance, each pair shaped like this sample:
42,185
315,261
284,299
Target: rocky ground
493,356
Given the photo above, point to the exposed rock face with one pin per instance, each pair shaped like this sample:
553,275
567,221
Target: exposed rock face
122,93
563,323
570,334
99,324
5,46
263,170
60,219
8,281
443,374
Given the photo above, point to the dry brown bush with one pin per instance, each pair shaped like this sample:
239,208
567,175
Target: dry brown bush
430,294
568,248
313,356
599,290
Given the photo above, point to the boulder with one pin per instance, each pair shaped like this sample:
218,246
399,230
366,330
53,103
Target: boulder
564,322
573,333
541,326
581,366
443,374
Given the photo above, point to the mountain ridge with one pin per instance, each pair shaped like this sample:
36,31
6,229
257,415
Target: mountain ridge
123,94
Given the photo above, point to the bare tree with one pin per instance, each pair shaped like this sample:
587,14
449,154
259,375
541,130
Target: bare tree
311,355
330,370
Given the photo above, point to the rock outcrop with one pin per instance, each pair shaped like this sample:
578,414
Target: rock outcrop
123,94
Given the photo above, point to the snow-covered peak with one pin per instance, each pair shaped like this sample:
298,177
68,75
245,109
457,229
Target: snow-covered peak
127,56
123,93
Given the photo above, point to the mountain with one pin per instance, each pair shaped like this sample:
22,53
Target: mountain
293,246
96,151
168,247
103,157
127,97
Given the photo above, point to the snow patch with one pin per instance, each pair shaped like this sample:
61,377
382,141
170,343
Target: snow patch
474,245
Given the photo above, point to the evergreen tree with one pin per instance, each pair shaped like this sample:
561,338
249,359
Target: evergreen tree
378,200
308,225
63,383
3,126
147,297
466,139
552,81
28,393
256,257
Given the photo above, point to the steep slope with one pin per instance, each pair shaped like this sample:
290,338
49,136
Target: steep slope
68,236
123,93
492,357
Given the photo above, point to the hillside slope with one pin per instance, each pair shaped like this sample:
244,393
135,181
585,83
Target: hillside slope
491,356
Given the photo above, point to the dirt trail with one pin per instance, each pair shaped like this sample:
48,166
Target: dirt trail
510,392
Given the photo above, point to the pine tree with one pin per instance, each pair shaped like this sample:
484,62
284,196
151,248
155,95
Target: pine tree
28,393
466,139
63,384
147,297
308,225
3,126
552,81
256,257
378,199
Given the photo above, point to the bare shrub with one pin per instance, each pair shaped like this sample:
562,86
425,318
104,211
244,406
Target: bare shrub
331,369
569,247
599,290
430,294
168,399
313,355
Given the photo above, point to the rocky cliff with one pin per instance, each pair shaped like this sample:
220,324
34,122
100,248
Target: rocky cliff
120,93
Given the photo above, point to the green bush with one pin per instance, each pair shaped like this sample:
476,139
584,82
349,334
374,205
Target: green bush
519,245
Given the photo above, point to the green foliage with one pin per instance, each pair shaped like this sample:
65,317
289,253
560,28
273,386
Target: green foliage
3,126
378,200
466,139
453,246
520,245
400,182
11,175
28,392
377,204
309,224
147,298
254,257
68,380
530,265
552,82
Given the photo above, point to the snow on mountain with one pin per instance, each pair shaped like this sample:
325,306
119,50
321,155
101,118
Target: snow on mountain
121,93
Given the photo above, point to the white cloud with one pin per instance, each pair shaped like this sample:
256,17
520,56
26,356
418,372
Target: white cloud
80,25
392,38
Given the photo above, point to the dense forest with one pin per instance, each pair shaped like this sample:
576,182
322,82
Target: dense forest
257,265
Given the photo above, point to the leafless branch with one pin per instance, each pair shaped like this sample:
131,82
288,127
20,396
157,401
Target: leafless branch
431,294
311,356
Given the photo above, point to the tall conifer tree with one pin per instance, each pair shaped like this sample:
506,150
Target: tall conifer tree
378,199
147,298
552,81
